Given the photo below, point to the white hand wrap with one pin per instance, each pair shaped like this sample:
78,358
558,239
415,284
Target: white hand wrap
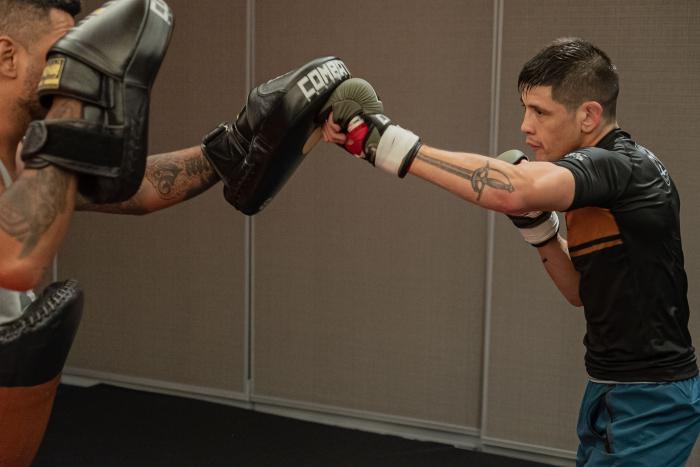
394,146
543,232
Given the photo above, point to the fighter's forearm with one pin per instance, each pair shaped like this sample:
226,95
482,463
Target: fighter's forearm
556,261
495,184
170,178
473,177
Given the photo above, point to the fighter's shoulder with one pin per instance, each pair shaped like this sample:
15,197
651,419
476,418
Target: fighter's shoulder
589,153
596,157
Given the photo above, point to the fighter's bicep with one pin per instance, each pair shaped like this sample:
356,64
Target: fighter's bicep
552,187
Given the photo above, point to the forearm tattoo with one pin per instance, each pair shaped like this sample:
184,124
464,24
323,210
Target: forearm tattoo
31,206
163,175
180,178
199,170
175,177
480,178
196,166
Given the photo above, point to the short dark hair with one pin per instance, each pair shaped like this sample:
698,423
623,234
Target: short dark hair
72,7
17,17
577,71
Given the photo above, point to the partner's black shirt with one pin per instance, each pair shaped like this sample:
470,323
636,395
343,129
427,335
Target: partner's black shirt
625,241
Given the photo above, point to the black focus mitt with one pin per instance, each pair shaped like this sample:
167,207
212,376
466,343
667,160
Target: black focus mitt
258,152
109,62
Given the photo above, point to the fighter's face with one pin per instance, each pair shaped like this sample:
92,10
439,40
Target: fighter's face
550,129
59,23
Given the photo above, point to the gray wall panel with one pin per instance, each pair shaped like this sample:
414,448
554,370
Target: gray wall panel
655,49
536,373
164,292
368,289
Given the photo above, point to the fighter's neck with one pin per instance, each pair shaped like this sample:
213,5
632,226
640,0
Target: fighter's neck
600,133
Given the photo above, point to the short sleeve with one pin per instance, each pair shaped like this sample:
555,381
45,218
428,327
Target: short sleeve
601,177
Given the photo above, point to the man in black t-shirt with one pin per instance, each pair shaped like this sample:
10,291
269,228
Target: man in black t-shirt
622,260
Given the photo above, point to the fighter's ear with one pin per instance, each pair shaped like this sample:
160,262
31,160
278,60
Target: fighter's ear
591,115
8,57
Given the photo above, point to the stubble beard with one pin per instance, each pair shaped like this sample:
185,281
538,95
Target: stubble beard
29,105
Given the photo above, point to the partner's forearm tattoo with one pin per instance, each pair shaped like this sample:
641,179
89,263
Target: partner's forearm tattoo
480,178
163,176
202,176
176,177
31,206
196,166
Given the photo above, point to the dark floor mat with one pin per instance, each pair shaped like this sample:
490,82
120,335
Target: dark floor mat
107,426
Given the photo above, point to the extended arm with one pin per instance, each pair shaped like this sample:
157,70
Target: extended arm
170,178
516,190
498,185
355,121
511,189
495,184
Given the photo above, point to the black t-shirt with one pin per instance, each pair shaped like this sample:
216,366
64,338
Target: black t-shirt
624,239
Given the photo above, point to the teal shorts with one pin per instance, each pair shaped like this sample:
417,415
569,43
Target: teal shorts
638,425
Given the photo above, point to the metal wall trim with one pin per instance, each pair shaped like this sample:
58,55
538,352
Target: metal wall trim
491,216
249,225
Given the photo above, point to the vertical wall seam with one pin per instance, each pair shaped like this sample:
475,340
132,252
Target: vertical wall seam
490,216
248,224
